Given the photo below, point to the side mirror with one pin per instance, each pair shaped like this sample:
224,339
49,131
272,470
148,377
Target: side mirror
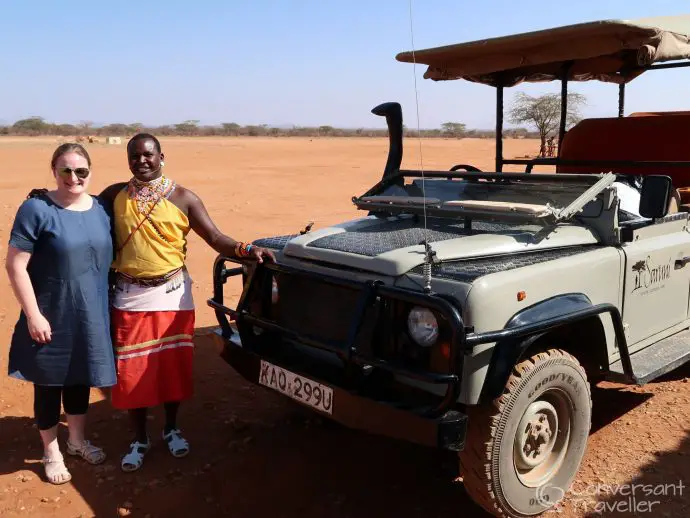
655,196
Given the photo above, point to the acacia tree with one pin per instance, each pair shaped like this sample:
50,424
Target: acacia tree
544,112
454,129
188,127
31,126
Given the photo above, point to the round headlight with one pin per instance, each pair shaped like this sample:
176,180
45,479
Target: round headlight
274,291
423,327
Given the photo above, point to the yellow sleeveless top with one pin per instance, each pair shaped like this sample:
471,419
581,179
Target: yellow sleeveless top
151,251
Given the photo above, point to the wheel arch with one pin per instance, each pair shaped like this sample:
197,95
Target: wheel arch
569,337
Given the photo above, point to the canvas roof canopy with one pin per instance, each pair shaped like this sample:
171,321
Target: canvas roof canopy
612,51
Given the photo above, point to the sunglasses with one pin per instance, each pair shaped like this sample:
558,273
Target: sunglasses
80,172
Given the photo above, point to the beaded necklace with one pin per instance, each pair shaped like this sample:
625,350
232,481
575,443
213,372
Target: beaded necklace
149,192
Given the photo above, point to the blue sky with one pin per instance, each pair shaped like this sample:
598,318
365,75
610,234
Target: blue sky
303,62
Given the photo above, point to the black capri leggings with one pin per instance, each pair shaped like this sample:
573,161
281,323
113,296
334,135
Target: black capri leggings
75,399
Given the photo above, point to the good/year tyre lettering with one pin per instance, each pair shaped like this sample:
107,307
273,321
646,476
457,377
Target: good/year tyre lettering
570,380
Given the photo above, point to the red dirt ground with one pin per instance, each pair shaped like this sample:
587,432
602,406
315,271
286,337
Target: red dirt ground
253,452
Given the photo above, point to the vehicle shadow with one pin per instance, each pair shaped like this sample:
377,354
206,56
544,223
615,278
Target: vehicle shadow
678,374
660,489
612,401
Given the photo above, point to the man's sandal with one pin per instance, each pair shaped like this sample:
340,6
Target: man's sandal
87,451
177,445
56,471
135,458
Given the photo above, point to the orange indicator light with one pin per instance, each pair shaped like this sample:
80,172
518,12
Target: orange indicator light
445,350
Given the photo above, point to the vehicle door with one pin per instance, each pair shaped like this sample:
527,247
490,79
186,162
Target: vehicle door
657,279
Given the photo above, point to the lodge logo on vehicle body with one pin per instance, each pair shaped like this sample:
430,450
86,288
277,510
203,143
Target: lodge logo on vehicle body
650,276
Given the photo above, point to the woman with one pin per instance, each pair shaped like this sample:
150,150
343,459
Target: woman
152,314
59,253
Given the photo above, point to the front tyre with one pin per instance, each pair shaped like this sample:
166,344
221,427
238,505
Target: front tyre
524,449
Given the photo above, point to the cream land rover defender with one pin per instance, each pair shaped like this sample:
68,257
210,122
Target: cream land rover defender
471,310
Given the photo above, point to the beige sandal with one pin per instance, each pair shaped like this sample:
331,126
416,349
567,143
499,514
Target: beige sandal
87,451
56,471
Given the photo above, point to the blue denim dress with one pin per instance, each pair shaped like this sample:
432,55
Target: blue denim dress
71,253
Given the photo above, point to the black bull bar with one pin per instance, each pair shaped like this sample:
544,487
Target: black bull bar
347,352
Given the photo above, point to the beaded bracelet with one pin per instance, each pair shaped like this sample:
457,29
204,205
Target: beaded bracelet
242,249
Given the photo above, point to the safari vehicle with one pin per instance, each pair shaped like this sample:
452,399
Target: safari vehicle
471,310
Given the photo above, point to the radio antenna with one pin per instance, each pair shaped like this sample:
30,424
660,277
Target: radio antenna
428,253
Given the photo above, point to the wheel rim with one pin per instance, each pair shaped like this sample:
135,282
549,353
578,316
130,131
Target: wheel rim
541,438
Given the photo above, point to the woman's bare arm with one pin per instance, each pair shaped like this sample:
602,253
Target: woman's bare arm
16,265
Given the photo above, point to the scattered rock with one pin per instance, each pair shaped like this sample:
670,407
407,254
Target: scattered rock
121,511
44,499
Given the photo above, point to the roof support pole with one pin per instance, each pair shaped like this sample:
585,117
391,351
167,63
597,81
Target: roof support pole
564,112
564,103
499,128
621,99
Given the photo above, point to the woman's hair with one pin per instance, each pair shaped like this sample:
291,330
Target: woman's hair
69,147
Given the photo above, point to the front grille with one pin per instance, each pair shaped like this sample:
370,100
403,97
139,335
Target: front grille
320,314
320,310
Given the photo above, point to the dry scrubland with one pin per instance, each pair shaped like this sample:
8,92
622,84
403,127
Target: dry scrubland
253,453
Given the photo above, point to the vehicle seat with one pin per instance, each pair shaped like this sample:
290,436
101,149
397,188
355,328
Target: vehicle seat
658,136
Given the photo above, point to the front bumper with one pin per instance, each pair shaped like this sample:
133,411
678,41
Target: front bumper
445,431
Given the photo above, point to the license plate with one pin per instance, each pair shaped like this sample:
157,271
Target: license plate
297,387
